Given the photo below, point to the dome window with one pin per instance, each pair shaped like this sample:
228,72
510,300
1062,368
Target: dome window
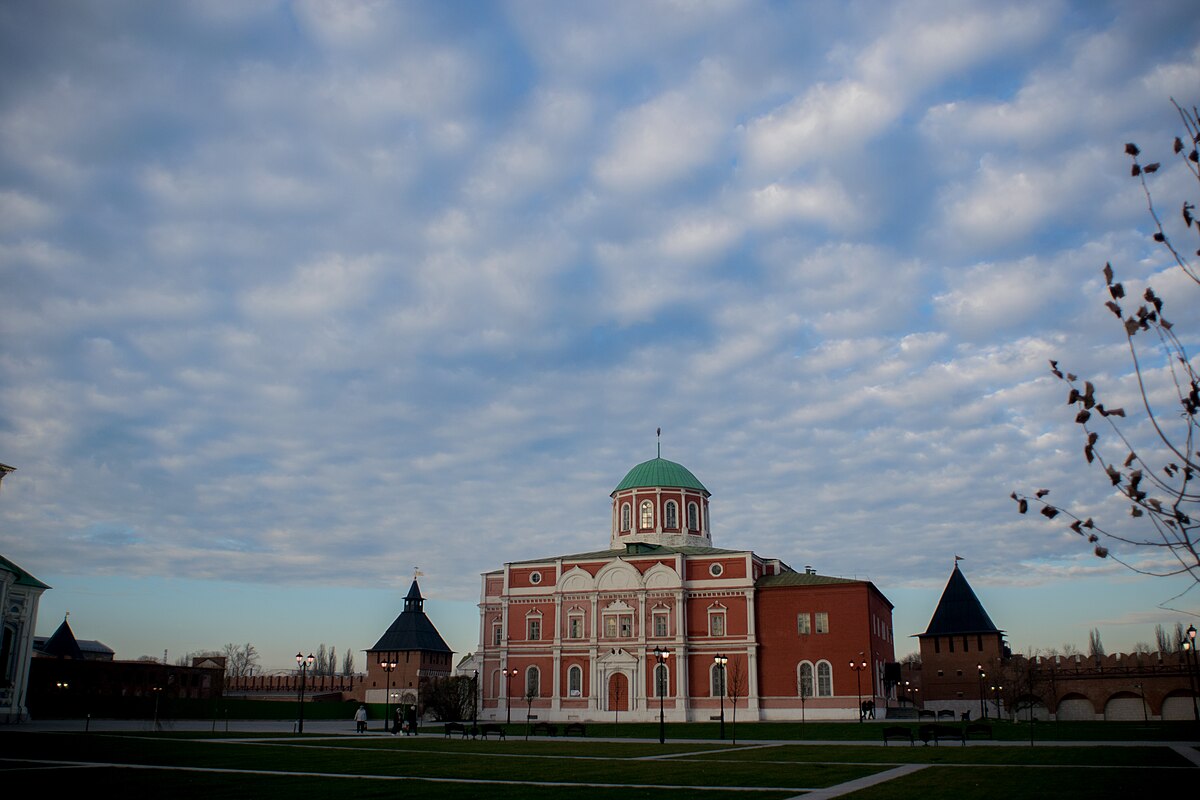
671,514
647,514
626,517
693,517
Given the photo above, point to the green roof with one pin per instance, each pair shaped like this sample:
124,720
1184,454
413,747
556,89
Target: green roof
23,577
660,472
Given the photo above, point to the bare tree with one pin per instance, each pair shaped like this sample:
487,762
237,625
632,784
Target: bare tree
1095,647
348,663
331,662
1157,476
321,662
1163,640
735,687
240,660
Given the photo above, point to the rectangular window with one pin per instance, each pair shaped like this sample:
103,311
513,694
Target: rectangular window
610,627
660,625
716,624
950,639
626,621
804,624
937,645
575,628
535,629
822,622
979,642
497,635
965,644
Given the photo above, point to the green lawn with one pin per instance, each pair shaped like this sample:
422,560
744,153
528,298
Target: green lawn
201,766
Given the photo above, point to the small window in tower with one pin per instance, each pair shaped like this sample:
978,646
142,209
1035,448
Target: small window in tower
497,635
647,515
535,578
693,517
661,628
715,570
716,623
626,516
671,513
535,629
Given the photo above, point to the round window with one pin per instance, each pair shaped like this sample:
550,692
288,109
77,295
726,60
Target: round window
535,577
715,570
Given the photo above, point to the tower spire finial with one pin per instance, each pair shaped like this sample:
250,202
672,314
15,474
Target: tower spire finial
659,434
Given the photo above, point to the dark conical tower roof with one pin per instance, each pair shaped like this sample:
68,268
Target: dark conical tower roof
412,630
959,611
62,644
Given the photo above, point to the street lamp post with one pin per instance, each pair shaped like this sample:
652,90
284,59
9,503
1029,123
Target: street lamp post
1188,645
858,667
982,676
388,664
508,674
303,663
660,671
996,690
721,660
475,699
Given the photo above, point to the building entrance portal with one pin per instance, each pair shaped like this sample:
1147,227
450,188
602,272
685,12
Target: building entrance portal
618,692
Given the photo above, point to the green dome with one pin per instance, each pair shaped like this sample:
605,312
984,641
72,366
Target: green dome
660,472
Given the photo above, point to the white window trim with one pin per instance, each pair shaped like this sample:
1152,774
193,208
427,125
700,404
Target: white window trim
812,672
537,673
817,676
575,669
666,685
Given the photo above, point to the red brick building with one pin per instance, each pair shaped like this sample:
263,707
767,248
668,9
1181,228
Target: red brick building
410,653
967,667
579,637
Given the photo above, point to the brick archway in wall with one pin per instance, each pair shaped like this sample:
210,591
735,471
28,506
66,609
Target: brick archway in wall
618,692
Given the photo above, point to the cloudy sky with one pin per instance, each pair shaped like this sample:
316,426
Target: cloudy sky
297,297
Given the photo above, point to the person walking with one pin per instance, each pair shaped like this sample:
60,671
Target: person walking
360,719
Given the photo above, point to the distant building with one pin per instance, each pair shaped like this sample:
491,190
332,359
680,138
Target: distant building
410,653
579,637
966,667
19,596
70,679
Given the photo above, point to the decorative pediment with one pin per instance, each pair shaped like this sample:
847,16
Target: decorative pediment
618,575
576,580
660,576
617,657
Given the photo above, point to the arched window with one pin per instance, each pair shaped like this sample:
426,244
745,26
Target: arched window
626,516
660,681
671,512
533,683
806,679
575,681
647,514
693,517
717,680
824,679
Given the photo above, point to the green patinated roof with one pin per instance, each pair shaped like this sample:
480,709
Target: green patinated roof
660,472
23,577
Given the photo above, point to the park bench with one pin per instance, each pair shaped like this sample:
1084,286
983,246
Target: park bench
946,713
900,732
925,713
983,730
937,733
544,729
575,729
456,727
491,727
